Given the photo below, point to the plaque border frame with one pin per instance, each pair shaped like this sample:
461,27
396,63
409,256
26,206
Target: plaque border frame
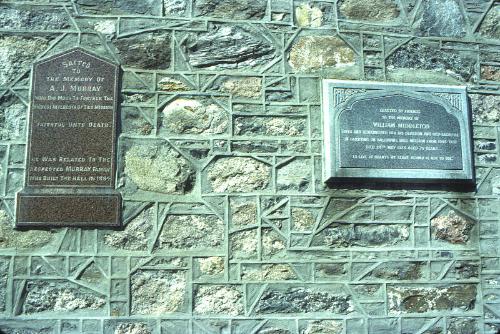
116,91
333,172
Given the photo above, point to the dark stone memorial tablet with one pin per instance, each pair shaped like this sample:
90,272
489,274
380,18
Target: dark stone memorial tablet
396,132
70,170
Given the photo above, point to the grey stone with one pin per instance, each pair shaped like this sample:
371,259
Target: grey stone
463,325
158,169
218,299
323,327
244,213
313,53
440,18
485,108
238,174
302,219
174,7
212,265
23,17
156,292
412,299
243,244
308,16
132,328
146,50
26,327
189,116
17,54
294,176
490,27
369,10
245,87
270,126
398,271
50,296
269,272
4,272
365,235
452,228
229,47
31,239
12,118
302,300
191,232
135,235
421,56
231,9
145,7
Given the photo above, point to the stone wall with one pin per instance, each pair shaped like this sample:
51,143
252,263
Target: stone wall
229,227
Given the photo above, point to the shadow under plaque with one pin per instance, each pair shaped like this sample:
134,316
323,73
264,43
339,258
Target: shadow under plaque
71,158
384,134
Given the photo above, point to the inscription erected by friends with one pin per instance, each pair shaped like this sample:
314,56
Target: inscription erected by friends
396,132
71,148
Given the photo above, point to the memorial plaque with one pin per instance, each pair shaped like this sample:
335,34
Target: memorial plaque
396,132
70,168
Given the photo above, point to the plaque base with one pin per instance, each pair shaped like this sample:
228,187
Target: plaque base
39,209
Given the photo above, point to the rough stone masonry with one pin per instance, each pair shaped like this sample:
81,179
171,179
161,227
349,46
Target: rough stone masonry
228,225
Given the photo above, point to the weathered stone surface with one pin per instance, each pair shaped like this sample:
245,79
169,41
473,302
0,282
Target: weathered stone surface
238,174
307,16
490,27
4,272
420,56
145,7
311,53
146,50
244,213
22,17
10,238
106,27
50,296
269,272
170,84
157,292
302,300
323,327
187,116
330,270
463,326
229,47
302,219
13,115
270,126
366,235
245,87
440,18
27,327
135,235
211,265
191,232
273,244
244,244
218,299
295,175
174,7
17,54
495,185
231,9
452,228
159,169
398,271
369,10
485,108
132,328
426,299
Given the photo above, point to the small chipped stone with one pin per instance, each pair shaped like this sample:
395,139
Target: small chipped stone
452,228
238,174
218,299
211,265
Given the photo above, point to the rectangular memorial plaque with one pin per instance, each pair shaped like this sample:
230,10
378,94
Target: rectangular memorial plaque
70,170
396,132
